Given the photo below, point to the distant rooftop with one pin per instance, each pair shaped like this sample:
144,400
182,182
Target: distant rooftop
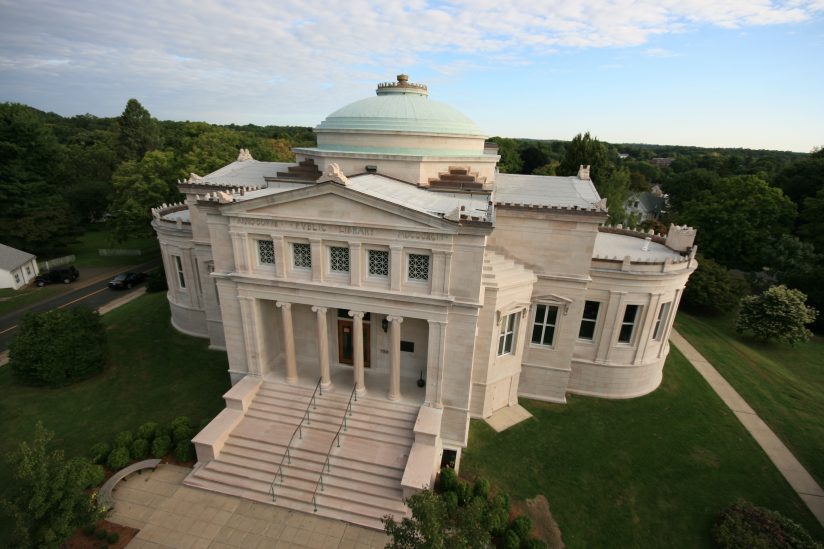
11,258
545,190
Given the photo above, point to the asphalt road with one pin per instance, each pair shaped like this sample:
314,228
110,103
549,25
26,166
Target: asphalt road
92,296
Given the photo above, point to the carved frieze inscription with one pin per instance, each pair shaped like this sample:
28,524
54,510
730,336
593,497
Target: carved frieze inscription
337,229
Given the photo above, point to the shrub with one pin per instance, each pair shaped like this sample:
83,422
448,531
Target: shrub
712,290
113,537
101,534
95,475
58,347
497,518
464,491
162,431
481,488
89,529
99,452
161,446
118,459
450,501
182,433
779,313
140,449
447,480
123,439
156,281
746,525
511,540
147,430
521,526
184,451
533,543
181,421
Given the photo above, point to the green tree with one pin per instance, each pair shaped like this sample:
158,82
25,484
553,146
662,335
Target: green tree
681,187
811,226
616,189
735,214
779,313
138,132
802,179
141,185
426,526
586,150
48,501
58,347
711,289
534,155
510,161
33,213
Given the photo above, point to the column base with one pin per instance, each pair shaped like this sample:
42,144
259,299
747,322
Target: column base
361,391
291,380
393,398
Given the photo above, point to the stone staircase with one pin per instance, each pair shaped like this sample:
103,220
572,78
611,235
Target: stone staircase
499,271
363,482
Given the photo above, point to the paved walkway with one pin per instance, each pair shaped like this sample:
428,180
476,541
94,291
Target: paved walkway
169,514
795,473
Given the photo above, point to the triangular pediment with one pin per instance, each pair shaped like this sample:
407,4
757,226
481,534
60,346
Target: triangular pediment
333,203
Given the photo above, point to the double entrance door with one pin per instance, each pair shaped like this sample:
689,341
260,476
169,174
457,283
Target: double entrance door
346,338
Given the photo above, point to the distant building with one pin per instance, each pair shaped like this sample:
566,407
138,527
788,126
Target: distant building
662,163
17,268
392,263
646,206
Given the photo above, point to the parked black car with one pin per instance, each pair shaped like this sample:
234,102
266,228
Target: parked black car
60,274
125,281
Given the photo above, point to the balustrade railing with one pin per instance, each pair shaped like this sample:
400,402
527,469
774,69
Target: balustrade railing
287,455
326,468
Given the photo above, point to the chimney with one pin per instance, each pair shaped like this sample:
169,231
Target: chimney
583,172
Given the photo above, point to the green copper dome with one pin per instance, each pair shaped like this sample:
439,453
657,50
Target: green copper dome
401,107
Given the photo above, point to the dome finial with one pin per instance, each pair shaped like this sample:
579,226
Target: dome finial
403,85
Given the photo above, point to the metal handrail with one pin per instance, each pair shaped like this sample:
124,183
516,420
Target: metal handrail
298,430
336,439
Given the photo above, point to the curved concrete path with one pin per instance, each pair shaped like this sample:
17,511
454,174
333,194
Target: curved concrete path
800,480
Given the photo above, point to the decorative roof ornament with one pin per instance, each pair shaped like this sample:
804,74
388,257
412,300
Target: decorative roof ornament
403,85
334,173
193,177
244,155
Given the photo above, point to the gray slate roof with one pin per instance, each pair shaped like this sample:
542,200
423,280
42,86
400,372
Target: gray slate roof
244,173
11,258
545,190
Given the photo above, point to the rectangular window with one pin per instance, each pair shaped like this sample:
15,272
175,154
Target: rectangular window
661,321
181,280
506,336
543,329
266,252
302,256
28,270
408,346
628,324
378,263
338,259
17,278
588,321
418,267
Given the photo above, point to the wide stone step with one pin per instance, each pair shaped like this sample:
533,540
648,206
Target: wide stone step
289,392
330,402
272,455
362,419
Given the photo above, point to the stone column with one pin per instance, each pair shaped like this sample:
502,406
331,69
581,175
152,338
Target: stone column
249,320
288,341
436,345
395,357
357,351
395,267
323,347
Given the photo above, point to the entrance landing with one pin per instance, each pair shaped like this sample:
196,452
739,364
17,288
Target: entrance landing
505,418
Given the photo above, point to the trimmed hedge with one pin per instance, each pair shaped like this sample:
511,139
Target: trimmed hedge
744,525
140,449
161,446
118,459
147,430
99,452
123,439
184,451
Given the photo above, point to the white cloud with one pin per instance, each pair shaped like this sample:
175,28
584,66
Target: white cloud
310,55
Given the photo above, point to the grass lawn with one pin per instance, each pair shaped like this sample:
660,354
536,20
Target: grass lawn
155,374
645,472
100,236
13,300
783,384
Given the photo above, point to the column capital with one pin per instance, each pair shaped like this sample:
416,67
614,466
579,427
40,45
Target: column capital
397,319
283,305
441,322
318,309
356,314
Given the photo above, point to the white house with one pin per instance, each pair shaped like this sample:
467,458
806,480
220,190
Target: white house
17,268
388,286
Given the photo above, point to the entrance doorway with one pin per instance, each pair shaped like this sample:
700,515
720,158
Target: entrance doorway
346,339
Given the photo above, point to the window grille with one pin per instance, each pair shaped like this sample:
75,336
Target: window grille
588,321
378,263
339,259
302,254
266,252
543,329
506,337
418,267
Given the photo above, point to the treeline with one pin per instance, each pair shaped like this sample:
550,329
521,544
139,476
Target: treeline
59,173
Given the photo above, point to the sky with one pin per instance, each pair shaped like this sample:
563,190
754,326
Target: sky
714,73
